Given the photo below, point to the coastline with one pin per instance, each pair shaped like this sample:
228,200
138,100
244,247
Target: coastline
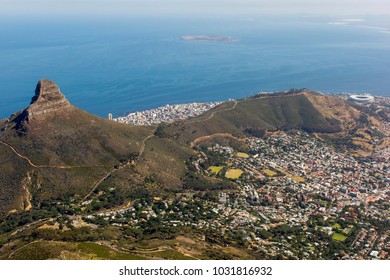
173,112
167,114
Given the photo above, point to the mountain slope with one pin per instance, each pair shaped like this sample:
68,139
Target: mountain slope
294,110
53,149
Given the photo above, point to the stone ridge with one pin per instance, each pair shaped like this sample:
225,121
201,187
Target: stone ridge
48,99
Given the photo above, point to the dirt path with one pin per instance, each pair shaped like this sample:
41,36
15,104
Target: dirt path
235,102
93,187
22,228
95,184
143,144
153,250
108,174
213,113
13,252
212,136
181,251
48,166
207,137
98,182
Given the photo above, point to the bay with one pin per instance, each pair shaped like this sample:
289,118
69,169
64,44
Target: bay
120,65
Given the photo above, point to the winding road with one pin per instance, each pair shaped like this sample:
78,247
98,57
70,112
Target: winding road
235,102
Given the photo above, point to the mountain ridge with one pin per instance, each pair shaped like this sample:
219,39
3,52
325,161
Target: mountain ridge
61,150
255,115
63,147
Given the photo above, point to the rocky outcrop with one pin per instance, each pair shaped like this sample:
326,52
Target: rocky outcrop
26,196
48,99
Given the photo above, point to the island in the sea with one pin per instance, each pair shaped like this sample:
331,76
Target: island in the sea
208,38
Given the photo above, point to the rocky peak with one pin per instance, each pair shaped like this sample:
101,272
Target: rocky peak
48,99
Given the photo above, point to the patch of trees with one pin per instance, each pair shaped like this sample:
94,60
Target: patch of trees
259,133
284,229
333,250
75,235
317,220
217,255
200,183
264,234
152,229
13,221
213,158
161,131
363,119
111,199
320,197
333,127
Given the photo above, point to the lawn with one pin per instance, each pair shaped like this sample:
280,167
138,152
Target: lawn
339,237
233,173
298,179
269,173
216,169
242,155
336,226
282,171
347,231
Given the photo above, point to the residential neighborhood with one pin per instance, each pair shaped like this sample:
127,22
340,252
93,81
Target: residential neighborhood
296,198
167,113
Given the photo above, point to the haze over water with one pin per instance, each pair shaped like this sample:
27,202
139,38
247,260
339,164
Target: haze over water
122,65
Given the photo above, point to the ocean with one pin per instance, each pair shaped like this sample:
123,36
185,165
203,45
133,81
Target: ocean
121,65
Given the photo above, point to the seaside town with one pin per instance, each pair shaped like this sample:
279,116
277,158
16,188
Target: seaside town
167,113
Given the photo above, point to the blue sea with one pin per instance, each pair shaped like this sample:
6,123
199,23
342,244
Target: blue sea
121,65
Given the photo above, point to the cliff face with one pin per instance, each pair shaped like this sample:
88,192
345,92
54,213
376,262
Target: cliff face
48,100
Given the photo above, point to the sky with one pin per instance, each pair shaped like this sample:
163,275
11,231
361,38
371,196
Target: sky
193,7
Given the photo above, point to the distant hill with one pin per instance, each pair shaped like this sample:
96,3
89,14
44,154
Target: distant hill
303,110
